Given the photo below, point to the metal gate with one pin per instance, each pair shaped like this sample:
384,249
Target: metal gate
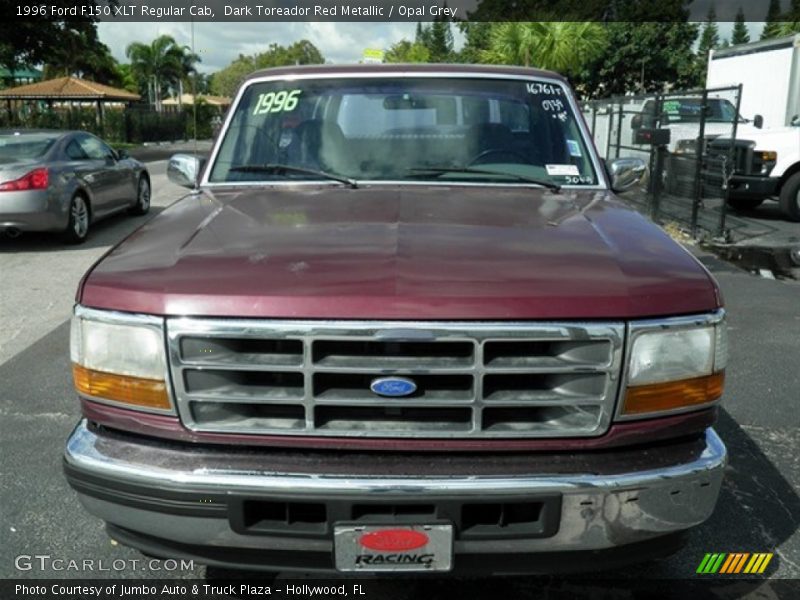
690,171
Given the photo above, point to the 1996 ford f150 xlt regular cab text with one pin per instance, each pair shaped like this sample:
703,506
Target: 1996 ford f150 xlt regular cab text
400,324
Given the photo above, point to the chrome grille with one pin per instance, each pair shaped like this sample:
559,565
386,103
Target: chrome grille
474,380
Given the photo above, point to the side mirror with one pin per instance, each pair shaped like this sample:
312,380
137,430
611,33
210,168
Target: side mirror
184,169
758,121
636,122
627,173
122,154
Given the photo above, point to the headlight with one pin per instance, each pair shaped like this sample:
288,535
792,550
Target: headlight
675,368
120,358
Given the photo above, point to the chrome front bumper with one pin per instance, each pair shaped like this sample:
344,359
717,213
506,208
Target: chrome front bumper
597,511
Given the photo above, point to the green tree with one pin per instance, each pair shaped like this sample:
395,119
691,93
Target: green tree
791,24
187,76
643,57
709,40
740,34
160,66
406,51
437,38
423,35
565,47
772,24
302,52
81,54
34,41
126,79
510,43
477,35
789,28
441,40
227,80
202,83
649,44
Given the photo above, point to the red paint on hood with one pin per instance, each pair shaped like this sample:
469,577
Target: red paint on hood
401,252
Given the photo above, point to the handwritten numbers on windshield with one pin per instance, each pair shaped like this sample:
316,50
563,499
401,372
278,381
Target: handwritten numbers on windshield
543,88
275,102
554,105
577,179
550,97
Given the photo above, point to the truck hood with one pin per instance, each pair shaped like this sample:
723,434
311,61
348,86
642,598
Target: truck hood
783,140
744,131
690,131
405,252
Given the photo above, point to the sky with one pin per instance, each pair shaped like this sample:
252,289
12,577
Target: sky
218,44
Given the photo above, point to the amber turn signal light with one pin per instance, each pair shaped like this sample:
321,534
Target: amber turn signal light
671,395
145,393
769,156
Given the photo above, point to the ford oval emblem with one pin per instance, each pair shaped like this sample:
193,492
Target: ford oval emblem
393,387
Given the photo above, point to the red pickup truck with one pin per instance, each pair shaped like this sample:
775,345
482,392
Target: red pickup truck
401,323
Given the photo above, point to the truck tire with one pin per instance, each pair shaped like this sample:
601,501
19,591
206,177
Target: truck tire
745,203
790,198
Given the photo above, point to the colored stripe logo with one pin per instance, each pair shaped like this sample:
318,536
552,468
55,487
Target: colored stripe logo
734,563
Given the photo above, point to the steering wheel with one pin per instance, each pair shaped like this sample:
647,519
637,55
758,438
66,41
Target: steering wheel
478,157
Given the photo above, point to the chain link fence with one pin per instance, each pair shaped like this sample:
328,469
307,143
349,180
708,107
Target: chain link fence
689,139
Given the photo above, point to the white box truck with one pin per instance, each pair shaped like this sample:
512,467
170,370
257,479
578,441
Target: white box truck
769,72
767,160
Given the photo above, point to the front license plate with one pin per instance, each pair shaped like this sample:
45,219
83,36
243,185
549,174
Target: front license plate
393,547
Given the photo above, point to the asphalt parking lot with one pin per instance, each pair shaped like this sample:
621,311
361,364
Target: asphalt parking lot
759,509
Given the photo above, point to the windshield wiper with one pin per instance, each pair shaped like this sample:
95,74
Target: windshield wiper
279,169
439,171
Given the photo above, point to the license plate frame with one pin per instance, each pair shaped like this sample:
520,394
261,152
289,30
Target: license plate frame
353,555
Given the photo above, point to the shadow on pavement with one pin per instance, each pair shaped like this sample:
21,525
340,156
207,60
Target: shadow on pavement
105,232
768,211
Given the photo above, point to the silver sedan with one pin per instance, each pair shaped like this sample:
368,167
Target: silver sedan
64,181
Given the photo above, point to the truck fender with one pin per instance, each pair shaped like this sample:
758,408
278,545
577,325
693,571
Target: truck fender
795,168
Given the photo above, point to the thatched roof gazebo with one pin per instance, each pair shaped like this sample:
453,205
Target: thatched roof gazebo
188,99
67,90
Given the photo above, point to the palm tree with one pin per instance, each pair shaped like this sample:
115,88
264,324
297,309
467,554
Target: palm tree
160,64
563,46
187,62
510,43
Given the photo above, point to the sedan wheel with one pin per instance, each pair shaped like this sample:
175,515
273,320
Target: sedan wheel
78,226
142,197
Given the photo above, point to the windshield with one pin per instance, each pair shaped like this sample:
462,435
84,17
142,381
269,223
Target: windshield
405,128
25,146
687,110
